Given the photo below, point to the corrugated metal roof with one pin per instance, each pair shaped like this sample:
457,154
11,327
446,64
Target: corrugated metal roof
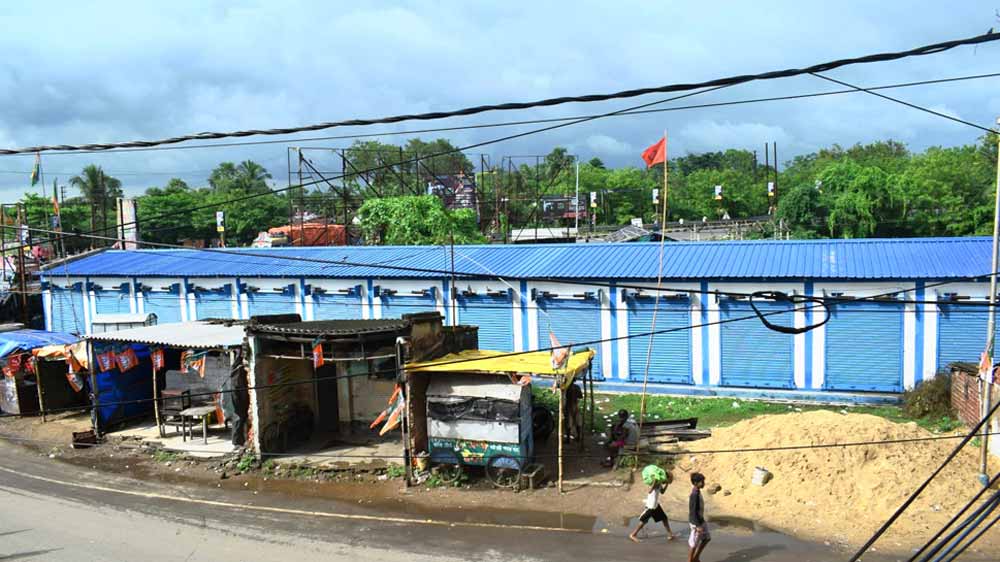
187,335
332,327
906,258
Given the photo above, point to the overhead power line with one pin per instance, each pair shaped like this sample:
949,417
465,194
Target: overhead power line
625,94
906,103
530,121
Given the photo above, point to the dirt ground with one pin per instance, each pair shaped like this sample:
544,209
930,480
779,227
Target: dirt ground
836,496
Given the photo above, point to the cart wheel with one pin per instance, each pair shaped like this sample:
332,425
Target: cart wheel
448,473
503,471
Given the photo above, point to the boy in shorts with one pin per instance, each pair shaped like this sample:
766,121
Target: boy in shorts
696,519
654,511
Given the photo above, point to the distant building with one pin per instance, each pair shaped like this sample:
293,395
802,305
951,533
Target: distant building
456,192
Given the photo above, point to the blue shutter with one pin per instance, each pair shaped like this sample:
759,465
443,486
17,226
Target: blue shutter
263,303
752,354
396,305
336,306
574,322
112,301
214,303
166,305
67,311
494,314
864,347
961,333
670,361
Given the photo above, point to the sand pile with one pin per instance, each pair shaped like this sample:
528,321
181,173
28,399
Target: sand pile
838,494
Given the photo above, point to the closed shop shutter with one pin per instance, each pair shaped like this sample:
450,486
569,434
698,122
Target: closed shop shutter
753,355
337,306
494,315
864,347
67,311
166,305
263,303
112,301
574,321
214,303
670,361
961,333
400,303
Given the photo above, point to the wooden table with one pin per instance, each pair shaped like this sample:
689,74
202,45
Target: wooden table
202,412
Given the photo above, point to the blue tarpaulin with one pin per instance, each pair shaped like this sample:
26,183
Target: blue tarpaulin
122,396
24,340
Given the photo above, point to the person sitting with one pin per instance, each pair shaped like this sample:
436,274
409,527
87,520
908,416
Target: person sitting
622,434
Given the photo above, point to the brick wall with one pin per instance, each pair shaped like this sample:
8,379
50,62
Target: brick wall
965,396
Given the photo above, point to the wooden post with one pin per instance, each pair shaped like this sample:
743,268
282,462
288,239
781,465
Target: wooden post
562,394
590,378
39,388
156,404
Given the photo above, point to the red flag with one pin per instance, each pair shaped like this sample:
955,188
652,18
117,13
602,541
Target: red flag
317,354
127,360
656,154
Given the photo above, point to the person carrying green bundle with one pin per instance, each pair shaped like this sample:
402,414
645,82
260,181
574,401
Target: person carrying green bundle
657,479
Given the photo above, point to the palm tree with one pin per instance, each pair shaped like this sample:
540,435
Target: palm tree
97,188
252,176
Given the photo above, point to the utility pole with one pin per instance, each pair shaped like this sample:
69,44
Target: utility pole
987,402
22,284
576,202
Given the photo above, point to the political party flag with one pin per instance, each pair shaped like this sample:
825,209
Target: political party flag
36,170
127,360
317,354
393,414
656,154
159,359
560,354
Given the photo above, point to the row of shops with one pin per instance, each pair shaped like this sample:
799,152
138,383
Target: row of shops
322,392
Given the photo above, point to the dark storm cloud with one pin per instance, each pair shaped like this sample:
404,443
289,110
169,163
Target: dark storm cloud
118,71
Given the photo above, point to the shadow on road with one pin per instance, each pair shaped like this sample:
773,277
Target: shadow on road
752,553
28,554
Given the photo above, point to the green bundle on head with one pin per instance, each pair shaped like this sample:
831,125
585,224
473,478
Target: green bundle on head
653,474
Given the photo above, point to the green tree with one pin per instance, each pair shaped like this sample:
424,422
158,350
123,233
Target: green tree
99,190
247,176
416,220
801,210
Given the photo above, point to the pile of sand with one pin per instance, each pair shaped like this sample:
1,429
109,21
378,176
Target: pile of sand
837,494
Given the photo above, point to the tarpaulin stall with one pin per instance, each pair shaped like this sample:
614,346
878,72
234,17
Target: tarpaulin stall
35,372
162,370
443,391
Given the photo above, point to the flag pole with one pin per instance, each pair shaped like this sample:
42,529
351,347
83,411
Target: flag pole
659,286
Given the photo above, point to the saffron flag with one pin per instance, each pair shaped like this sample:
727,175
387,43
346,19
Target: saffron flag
560,354
159,359
36,170
656,154
106,361
393,414
317,353
986,367
127,360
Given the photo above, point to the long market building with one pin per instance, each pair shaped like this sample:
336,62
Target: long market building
868,351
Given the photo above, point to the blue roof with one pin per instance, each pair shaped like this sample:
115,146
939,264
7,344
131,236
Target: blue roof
898,258
24,340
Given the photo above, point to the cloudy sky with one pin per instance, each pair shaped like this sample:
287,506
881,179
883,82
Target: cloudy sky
77,72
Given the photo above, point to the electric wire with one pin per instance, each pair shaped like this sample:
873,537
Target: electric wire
907,104
955,518
672,88
522,122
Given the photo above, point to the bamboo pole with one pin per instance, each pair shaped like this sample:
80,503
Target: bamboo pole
562,395
156,406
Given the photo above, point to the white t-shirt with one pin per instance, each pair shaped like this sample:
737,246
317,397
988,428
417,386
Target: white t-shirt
653,499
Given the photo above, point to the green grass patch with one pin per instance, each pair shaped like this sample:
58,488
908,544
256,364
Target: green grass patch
720,412
162,456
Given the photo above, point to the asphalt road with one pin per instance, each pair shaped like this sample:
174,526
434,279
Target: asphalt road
57,512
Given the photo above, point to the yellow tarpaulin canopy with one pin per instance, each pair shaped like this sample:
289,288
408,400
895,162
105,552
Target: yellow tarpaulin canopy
503,363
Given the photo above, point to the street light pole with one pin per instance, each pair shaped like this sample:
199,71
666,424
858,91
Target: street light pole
987,394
